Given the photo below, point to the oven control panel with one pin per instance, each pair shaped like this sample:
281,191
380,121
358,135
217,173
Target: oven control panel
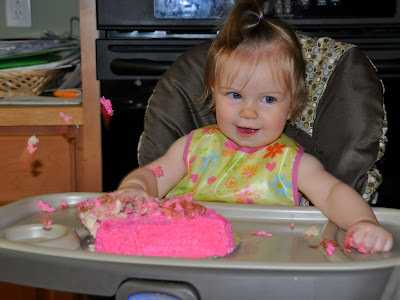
325,9
203,14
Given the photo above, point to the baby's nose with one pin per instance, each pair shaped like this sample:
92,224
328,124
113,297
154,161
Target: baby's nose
248,111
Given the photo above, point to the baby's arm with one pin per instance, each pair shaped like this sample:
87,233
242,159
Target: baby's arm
143,182
342,205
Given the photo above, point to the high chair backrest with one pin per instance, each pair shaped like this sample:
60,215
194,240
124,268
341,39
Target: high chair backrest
343,123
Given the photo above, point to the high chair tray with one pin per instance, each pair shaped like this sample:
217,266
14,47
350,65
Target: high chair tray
286,265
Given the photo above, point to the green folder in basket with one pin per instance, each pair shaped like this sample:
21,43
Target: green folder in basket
29,60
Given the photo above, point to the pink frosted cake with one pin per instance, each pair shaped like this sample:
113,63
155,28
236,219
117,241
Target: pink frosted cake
175,227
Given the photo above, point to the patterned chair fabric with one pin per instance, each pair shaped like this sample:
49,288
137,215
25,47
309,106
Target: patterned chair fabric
343,123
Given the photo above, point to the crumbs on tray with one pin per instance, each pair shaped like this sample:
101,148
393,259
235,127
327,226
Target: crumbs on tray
64,205
262,233
45,207
47,224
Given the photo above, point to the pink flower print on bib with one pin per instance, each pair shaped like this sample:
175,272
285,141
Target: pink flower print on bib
229,150
246,195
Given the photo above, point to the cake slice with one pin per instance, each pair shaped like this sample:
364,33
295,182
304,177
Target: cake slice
174,227
202,236
93,211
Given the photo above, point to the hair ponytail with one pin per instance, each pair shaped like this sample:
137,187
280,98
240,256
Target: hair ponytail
251,27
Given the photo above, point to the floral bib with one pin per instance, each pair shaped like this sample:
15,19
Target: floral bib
220,170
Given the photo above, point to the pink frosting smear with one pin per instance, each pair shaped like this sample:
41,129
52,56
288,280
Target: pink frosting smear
66,118
31,148
157,170
329,246
349,244
33,140
330,249
107,105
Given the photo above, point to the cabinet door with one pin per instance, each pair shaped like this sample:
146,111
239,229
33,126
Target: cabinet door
50,169
10,291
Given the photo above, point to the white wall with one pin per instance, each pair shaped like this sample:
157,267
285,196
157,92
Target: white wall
47,15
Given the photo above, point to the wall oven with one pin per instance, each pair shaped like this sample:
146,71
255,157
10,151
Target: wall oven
139,40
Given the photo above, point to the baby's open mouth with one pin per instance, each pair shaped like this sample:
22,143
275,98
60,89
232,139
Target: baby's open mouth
246,131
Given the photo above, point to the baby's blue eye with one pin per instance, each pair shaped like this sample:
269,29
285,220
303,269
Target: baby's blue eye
235,95
268,99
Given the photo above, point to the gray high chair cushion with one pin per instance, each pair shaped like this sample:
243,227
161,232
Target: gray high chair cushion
342,127
350,123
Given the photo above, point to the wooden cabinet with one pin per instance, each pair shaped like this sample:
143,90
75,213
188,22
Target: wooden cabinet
51,168
17,292
68,157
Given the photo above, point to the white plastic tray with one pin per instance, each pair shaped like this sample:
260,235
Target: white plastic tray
283,266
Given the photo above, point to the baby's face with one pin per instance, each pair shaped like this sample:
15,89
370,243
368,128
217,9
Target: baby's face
251,111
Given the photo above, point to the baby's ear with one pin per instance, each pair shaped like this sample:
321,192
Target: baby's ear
289,115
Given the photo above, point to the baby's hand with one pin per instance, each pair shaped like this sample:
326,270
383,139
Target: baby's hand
369,237
131,192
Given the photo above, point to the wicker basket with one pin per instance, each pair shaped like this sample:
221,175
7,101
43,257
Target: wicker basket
17,83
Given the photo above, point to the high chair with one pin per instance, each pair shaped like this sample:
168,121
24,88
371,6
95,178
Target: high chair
343,124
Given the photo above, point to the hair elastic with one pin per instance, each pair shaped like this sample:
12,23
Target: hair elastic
261,16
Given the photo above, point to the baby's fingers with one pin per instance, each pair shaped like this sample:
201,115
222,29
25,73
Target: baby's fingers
368,237
371,242
366,244
129,194
383,240
384,244
380,245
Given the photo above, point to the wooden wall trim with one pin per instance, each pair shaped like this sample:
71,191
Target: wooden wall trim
89,170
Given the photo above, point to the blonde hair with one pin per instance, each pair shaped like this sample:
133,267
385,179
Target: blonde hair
248,37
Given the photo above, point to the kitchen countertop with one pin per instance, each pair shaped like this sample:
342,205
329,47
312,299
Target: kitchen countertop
40,115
